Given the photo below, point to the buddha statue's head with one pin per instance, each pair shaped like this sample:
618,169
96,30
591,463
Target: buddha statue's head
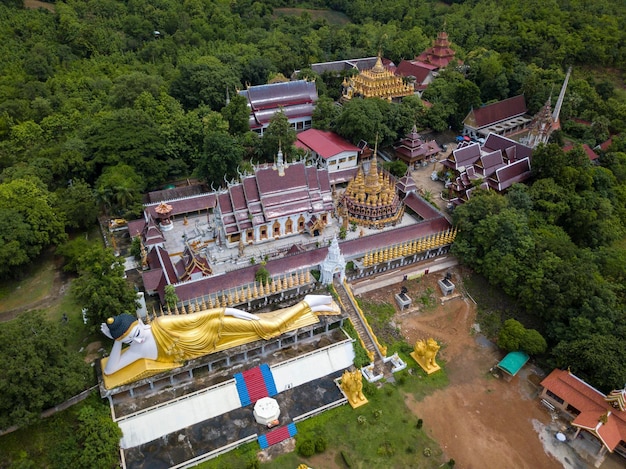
122,327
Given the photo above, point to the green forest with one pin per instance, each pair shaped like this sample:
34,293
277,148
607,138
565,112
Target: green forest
103,100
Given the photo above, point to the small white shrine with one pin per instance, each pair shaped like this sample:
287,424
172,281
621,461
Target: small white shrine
333,264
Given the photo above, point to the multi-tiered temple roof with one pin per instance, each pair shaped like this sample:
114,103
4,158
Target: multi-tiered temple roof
440,54
377,82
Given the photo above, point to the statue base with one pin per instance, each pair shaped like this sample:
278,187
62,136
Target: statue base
354,405
422,362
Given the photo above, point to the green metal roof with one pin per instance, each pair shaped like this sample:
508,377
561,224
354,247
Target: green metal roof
513,362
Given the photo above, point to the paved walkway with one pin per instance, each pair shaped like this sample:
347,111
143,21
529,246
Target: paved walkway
396,276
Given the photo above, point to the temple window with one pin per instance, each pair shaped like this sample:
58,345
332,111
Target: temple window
289,226
250,235
263,232
324,218
234,238
301,224
276,229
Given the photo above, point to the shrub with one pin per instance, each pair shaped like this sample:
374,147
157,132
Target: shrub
427,452
320,444
420,422
361,419
451,463
385,449
306,448
346,459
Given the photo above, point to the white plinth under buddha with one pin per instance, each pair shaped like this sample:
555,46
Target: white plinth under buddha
266,411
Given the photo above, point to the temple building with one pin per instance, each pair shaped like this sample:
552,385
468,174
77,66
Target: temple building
413,150
599,419
295,98
505,117
423,69
495,165
371,198
377,82
440,54
328,150
274,202
547,120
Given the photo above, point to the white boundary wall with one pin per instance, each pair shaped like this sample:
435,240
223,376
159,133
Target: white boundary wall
152,423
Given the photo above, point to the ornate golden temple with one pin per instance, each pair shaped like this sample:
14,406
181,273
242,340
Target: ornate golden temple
377,82
371,198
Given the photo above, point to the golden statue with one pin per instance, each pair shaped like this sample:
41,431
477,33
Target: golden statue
168,341
424,354
352,386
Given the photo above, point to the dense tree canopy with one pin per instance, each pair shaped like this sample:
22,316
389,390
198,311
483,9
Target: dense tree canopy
553,247
93,99
38,374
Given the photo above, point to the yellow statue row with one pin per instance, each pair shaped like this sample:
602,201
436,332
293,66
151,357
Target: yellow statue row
409,248
239,295
352,386
424,353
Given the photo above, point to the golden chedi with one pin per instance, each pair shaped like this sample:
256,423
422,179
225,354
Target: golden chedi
371,199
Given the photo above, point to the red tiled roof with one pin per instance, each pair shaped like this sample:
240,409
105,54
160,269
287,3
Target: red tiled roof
592,155
187,205
324,143
506,176
415,68
496,112
463,156
425,210
592,406
604,146
343,175
512,150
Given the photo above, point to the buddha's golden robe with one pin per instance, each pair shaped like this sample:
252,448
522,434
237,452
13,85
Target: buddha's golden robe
193,335
185,337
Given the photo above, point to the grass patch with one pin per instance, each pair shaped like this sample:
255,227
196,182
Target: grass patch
380,318
383,433
36,284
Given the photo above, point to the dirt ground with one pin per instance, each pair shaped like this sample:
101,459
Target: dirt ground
478,420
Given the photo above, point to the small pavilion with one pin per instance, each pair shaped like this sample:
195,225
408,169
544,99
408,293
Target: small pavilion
412,149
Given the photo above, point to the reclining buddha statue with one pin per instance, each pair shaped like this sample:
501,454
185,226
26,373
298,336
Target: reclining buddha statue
168,341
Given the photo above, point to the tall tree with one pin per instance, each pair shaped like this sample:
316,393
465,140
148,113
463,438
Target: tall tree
28,224
237,114
221,156
278,134
101,288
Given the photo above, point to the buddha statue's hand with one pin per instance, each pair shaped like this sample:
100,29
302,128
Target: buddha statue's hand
238,313
104,328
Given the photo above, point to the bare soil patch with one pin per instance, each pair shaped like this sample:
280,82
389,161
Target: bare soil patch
34,4
478,420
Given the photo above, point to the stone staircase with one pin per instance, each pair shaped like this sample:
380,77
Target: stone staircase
362,329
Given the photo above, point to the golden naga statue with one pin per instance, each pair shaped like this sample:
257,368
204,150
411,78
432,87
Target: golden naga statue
424,354
352,386
168,341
